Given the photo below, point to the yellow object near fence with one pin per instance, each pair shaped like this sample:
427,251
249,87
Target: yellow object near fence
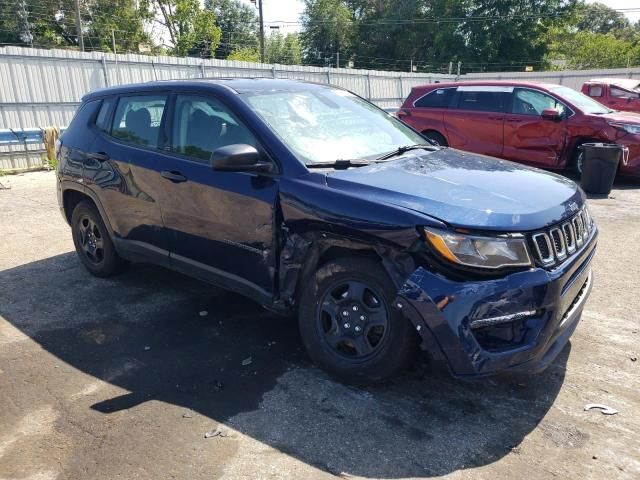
49,137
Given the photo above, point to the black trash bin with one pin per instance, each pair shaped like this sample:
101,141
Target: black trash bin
599,166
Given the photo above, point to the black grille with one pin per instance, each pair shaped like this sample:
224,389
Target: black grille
553,246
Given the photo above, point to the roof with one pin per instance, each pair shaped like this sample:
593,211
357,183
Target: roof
482,83
626,83
236,85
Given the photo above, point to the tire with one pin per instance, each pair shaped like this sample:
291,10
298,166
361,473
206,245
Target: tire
92,241
436,138
577,159
329,317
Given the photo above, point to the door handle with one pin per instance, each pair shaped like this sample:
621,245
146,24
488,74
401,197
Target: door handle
175,177
99,156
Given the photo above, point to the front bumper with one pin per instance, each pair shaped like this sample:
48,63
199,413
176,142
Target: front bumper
442,311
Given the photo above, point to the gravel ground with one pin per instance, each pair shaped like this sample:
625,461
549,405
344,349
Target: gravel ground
122,378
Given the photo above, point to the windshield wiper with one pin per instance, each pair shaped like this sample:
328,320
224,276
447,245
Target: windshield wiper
405,149
340,163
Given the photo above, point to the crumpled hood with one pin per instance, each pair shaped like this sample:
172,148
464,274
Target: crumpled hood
465,189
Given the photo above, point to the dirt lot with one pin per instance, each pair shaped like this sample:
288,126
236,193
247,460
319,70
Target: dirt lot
121,378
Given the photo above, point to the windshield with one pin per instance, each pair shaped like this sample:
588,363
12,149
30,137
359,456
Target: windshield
580,100
327,124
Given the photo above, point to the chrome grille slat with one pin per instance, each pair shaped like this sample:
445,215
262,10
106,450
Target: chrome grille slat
555,245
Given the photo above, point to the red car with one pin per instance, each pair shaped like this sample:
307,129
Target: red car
534,123
616,93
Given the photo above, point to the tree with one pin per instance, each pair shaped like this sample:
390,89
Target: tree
52,23
282,49
193,30
238,23
245,54
598,18
327,29
587,50
125,18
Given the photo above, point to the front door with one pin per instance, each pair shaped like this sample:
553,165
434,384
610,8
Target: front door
220,224
529,138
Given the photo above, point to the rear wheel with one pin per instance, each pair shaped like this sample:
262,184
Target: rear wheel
348,324
92,241
436,138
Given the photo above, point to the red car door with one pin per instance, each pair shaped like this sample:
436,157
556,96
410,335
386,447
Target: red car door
624,100
530,138
475,123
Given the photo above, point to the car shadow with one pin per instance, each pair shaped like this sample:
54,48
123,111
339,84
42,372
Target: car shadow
224,357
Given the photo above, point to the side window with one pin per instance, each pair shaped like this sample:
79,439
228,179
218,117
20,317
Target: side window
202,125
595,90
137,119
438,98
532,102
481,101
102,120
620,93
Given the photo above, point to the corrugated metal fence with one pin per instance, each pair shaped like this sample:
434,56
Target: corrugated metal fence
44,87
570,78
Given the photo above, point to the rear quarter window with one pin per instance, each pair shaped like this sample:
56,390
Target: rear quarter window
438,98
104,114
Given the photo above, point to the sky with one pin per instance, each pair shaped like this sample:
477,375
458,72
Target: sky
290,11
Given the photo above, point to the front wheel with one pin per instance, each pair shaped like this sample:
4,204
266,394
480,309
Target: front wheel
577,162
348,324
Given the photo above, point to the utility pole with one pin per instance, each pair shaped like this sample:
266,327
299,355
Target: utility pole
261,31
338,59
79,26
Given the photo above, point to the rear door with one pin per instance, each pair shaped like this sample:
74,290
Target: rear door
123,171
426,112
475,121
220,224
529,138
625,100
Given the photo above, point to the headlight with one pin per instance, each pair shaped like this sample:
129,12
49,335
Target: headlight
627,127
480,252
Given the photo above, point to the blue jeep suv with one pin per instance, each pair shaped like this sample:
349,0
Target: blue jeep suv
312,201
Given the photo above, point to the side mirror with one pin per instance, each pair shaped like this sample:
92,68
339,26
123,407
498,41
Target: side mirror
239,158
551,114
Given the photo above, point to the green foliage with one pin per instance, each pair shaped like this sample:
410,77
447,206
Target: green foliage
245,55
596,36
283,49
193,30
52,23
327,28
238,23
587,50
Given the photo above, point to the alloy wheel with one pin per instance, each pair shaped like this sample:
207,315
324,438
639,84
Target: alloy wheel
91,240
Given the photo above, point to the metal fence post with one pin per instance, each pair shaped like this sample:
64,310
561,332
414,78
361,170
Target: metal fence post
328,77
104,70
273,71
202,71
